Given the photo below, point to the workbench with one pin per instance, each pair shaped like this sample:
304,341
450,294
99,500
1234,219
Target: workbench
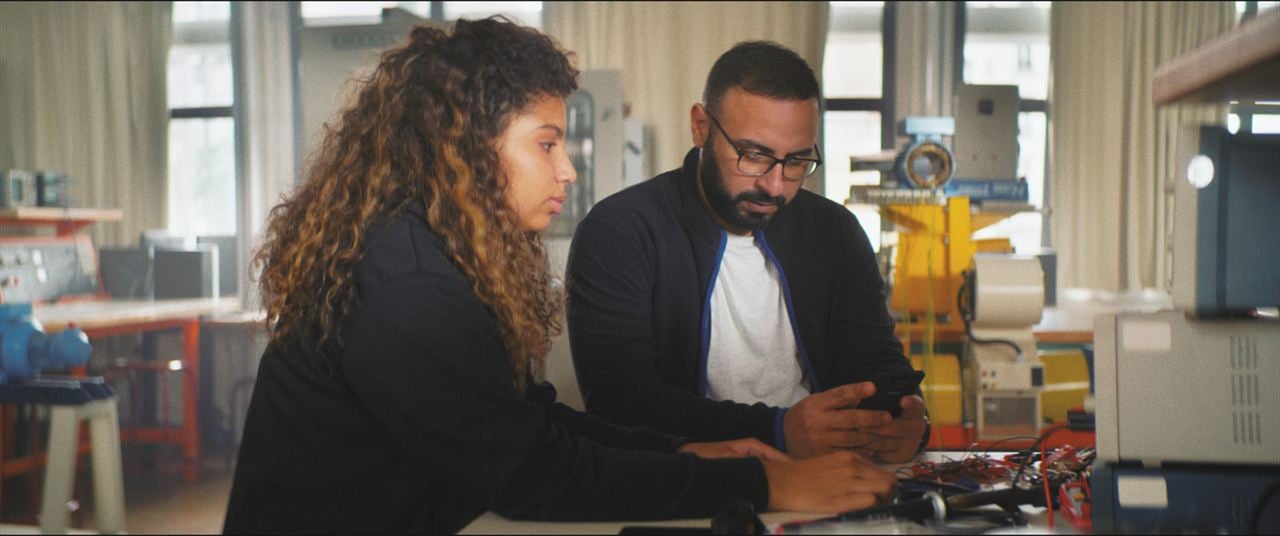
491,523
105,318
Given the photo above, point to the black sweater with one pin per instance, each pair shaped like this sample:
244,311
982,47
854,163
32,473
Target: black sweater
419,428
639,271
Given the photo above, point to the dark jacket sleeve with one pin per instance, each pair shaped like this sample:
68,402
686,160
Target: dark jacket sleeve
599,430
425,357
612,323
863,342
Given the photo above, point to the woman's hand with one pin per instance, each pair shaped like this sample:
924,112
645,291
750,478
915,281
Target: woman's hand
736,448
831,483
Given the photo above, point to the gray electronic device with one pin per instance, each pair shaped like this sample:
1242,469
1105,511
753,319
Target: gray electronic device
126,272
1175,389
331,58
1008,413
595,142
227,259
18,188
51,189
986,139
1226,190
47,269
189,273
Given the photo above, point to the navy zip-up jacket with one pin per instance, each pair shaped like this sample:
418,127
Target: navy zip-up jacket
419,427
639,278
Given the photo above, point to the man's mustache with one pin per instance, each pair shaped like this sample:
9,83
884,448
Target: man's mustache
761,197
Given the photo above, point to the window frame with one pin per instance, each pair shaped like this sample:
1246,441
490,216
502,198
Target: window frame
1025,105
885,103
201,34
434,12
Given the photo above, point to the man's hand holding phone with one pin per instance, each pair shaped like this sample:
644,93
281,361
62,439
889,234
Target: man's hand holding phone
852,417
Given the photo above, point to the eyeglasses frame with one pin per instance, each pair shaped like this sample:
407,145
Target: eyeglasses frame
743,153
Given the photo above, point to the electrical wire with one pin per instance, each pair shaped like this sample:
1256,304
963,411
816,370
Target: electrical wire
1044,478
1026,459
992,446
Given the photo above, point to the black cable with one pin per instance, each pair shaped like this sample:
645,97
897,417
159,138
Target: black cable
1263,500
966,291
1026,459
992,446
909,487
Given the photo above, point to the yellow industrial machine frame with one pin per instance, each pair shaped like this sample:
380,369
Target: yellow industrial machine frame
935,248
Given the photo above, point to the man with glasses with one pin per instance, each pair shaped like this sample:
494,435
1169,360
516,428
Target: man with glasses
720,300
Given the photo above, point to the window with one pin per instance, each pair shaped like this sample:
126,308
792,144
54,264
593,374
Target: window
529,13
352,13
1000,43
1249,10
202,182
1258,117
1008,43
854,82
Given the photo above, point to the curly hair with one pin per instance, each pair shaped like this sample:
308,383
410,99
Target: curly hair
421,130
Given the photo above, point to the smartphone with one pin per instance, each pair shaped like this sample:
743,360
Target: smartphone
890,388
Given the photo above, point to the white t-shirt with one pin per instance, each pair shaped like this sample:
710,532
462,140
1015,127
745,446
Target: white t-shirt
752,355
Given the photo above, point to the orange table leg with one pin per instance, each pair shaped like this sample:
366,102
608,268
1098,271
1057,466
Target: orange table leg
191,399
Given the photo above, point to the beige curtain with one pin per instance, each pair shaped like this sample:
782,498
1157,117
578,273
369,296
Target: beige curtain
1111,149
266,131
665,50
82,91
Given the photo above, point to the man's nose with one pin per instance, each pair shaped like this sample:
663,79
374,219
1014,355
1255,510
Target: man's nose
771,182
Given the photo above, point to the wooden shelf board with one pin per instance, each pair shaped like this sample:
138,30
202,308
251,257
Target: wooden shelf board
1243,64
55,214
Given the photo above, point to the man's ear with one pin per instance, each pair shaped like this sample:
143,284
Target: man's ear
699,123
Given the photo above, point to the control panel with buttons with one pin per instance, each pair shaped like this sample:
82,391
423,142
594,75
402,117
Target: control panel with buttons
46,269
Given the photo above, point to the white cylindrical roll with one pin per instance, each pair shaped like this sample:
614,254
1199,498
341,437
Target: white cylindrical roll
1010,291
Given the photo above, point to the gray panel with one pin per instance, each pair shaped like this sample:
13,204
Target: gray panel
48,268
1225,250
595,142
126,272
1106,424
227,260
1251,217
330,57
186,273
1211,395
986,139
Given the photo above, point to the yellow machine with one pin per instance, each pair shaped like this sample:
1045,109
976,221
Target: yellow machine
934,259
935,249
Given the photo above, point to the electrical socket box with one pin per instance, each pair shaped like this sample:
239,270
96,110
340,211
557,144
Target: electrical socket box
986,140
1003,414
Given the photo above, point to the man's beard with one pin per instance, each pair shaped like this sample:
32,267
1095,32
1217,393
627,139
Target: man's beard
727,207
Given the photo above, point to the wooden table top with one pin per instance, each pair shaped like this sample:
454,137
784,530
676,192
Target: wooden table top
114,313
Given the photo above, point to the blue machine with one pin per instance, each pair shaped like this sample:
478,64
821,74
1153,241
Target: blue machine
1187,499
25,350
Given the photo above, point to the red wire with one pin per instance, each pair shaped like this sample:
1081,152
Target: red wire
1044,478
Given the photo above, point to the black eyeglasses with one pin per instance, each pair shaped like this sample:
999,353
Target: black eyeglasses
755,163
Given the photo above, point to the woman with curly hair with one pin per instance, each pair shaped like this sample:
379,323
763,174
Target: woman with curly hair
409,308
